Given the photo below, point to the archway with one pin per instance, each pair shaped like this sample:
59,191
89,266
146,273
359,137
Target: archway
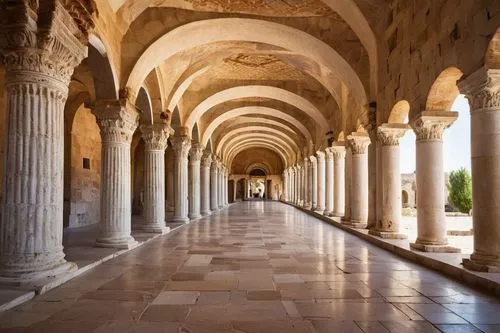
258,184
404,197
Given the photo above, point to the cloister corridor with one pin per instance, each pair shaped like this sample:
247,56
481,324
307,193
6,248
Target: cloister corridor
258,267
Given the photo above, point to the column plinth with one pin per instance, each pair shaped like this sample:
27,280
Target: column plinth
206,162
39,62
329,182
181,146
482,88
117,121
195,155
431,219
155,137
389,223
338,151
359,143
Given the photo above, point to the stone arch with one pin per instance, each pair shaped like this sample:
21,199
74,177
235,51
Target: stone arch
259,165
284,155
143,103
181,89
399,113
242,138
250,110
250,30
241,133
492,58
444,90
105,78
258,91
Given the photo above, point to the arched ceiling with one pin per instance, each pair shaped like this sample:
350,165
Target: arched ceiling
248,75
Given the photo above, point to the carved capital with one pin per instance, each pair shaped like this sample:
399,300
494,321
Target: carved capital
390,134
156,136
196,152
181,146
117,120
358,142
320,156
338,151
40,43
313,160
206,160
430,125
214,167
482,89
329,154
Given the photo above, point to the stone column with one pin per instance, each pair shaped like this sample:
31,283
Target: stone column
338,150
307,193
39,62
431,220
320,208
214,177
285,185
224,186
117,121
314,174
347,185
378,152
388,225
299,185
292,185
205,184
195,155
181,146
219,186
372,179
155,137
482,90
359,143
329,183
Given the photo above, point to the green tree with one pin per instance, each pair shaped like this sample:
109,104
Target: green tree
460,190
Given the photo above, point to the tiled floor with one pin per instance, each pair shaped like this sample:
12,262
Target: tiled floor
257,267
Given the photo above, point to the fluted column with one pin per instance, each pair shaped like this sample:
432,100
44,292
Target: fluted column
388,225
372,179
329,183
195,154
117,121
38,62
321,177
348,185
314,173
482,88
359,179
429,127
214,180
338,151
307,193
181,146
206,162
155,138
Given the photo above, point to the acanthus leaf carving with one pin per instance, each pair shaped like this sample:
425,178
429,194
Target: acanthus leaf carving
181,146
482,89
117,120
196,152
358,142
430,125
156,136
388,135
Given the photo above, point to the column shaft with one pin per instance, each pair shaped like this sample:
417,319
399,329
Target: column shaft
181,146
329,182
205,184
348,185
321,178
314,173
214,181
195,155
338,179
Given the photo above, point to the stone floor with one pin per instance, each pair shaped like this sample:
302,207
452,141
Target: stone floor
257,267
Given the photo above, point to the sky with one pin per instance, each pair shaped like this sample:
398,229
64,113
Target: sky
456,147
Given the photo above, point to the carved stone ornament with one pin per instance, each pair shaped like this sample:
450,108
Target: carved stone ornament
313,160
196,152
390,134
215,164
430,125
156,136
482,89
338,151
43,44
206,160
181,146
358,142
329,154
117,120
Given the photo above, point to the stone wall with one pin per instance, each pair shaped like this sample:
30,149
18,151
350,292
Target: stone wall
85,183
425,37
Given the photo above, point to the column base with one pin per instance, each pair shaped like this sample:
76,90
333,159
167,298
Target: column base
179,219
319,211
206,213
482,263
329,214
338,214
125,243
387,234
17,278
194,217
308,206
153,228
444,248
355,224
